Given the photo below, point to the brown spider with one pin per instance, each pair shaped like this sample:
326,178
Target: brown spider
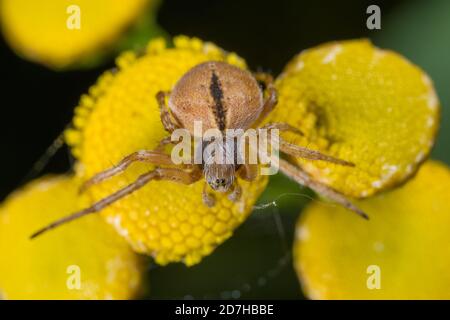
222,97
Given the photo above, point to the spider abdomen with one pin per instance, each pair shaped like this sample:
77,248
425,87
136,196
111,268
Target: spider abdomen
219,95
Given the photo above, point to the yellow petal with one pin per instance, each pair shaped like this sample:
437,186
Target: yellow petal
43,31
405,243
48,267
361,104
164,219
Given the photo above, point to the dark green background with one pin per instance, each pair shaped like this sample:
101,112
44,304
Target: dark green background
255,262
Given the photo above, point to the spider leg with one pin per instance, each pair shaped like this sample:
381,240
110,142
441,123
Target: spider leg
235,193
265,78
154,157
301,177
282,126
164,142
173,174
248,172
168,120
207,197
302,152
272,96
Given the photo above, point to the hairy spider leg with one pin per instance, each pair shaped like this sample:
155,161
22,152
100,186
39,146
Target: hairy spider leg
271,96
154,157
168,120
301,177
172,174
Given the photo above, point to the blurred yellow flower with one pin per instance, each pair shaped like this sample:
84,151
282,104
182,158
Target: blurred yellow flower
47,31
403,252
83,260
361,104
119,116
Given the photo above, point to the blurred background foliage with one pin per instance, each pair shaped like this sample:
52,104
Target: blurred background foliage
256,262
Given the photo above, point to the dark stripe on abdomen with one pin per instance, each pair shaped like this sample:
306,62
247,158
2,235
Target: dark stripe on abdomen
218,108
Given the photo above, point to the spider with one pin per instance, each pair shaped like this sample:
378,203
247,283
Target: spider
222,97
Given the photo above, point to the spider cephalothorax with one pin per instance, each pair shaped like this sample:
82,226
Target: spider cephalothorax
222,98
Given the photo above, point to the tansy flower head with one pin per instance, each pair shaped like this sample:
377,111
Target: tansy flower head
402,253
341,96
120,116
85,260
63,33
362,104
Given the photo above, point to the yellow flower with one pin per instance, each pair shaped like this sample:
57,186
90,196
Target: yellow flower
361,104
48,268
120,116
404,248
354,101
45,31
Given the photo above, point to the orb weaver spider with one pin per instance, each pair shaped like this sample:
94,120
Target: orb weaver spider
221,96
